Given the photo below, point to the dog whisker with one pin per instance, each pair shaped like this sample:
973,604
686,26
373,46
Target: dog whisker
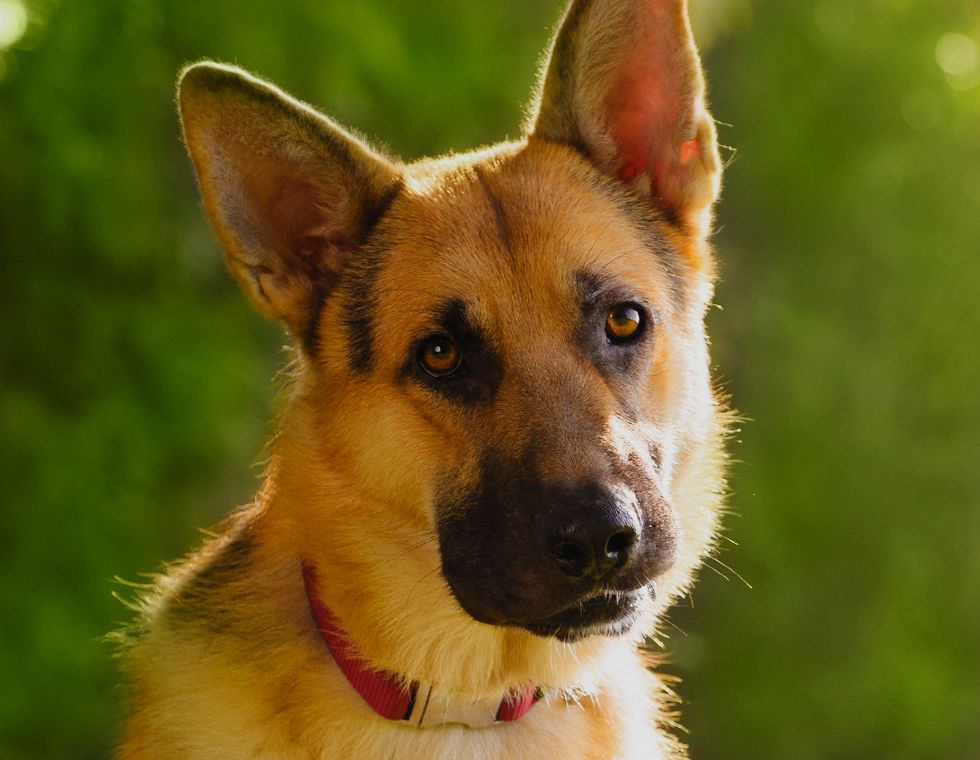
408,550
712,558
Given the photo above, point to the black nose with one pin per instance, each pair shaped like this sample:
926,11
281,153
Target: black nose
594,543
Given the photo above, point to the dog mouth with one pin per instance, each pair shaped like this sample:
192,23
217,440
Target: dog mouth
607,613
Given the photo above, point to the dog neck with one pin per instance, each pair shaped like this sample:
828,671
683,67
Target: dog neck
416,704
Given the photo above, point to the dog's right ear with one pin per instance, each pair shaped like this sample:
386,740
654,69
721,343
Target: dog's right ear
290,193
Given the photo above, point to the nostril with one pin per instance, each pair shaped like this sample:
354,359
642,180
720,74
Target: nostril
618,545
570,553
572,558
591,536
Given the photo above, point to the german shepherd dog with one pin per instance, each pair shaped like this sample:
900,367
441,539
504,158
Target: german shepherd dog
501,456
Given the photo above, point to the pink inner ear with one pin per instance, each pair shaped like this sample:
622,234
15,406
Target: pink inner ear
296,216
644,117
689,149
650,100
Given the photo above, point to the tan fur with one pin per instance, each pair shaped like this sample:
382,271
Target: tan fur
225,660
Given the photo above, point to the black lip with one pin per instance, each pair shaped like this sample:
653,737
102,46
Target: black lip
605,614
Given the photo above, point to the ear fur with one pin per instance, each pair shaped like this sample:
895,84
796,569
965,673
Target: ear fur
289,192
623,83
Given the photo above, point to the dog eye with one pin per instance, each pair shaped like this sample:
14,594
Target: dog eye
439,356
623,323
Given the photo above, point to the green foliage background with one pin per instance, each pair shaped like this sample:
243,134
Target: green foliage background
135,381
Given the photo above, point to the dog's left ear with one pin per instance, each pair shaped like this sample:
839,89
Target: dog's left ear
623,83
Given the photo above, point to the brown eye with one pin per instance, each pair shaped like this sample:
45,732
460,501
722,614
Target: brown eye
623,322
440,357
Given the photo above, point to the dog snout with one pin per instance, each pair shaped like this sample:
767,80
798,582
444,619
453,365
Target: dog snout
591,533
594,549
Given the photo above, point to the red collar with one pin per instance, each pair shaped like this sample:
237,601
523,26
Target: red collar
419,704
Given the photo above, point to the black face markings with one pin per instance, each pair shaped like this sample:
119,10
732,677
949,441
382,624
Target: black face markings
480,370
372,214
599,294
362,270
485,532
358,307
647,221
310,339
358,304
648,225
497,542
504,230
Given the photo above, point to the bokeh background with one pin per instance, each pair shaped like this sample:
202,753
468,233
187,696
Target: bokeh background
136,382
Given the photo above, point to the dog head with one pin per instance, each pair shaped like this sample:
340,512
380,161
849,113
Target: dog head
502,350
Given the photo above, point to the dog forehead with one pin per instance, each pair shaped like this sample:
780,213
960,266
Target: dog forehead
515,230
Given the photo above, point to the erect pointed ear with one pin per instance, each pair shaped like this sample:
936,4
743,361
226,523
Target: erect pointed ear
623,82
290,193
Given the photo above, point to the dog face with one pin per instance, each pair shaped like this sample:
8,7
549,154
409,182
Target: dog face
504,349
538,332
